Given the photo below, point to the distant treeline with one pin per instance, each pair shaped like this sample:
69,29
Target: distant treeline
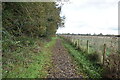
40,19
91,34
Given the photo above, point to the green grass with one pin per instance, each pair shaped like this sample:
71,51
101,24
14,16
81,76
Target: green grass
30,61
84,64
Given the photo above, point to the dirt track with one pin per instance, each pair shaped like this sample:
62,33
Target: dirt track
62,63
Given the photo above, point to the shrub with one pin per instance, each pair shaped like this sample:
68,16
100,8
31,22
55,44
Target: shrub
112,66
95,57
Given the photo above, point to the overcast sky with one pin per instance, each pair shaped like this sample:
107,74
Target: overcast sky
90,16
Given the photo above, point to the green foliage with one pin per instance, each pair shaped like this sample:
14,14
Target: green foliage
25,25
23,20
11,43
87,66
95,57
31,18
28,62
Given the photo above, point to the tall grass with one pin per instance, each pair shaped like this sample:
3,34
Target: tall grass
25,57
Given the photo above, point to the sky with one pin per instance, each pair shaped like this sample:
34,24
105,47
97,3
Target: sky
90,16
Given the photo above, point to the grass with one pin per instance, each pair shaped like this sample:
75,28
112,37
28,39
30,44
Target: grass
84,64
28,61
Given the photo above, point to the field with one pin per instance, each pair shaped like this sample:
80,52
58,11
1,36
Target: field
95,43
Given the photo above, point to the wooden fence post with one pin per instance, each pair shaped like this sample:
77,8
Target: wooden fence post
81,42
74,42
78,43
87,46
104,54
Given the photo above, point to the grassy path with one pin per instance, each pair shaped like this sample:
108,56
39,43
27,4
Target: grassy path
53,59
63,66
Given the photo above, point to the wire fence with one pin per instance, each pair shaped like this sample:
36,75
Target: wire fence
96,43
102,45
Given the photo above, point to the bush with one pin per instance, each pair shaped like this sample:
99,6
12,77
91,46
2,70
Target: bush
112,66
95,57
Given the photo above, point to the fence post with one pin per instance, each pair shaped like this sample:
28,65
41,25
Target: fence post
78,43
87,46
74,42
71,40
104,54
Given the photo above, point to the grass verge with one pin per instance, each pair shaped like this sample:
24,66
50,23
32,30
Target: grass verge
84,64
28,61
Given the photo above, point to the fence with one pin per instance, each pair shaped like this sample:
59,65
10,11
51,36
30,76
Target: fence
95,44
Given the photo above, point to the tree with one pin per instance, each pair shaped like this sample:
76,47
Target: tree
31,18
